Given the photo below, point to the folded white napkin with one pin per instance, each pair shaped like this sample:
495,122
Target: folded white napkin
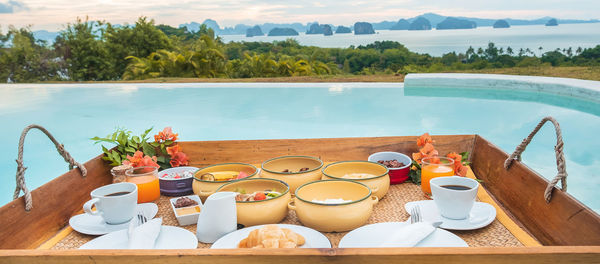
144,236
409,235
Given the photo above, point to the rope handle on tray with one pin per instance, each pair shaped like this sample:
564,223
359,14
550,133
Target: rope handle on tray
558,150
21,169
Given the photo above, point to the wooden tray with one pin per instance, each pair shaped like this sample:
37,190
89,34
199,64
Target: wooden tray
568,230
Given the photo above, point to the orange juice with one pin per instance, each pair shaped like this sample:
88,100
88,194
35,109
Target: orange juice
433,170
146,179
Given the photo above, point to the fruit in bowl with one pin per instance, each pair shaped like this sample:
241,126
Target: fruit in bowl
208,179
397,163
259,201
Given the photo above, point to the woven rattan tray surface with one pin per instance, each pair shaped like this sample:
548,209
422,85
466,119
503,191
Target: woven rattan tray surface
389,209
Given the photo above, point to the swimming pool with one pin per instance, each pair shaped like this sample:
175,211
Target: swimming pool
76,112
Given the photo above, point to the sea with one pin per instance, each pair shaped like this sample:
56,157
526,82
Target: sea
438,42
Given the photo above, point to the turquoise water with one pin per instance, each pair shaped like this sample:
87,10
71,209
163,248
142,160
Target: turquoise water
438,42
74,113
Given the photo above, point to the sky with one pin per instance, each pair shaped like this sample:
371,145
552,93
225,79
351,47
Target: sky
55,14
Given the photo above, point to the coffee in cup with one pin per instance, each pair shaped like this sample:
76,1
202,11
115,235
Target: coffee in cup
454,196
116,202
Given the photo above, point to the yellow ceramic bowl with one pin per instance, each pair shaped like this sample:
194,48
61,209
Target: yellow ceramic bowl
336,217
379,182
269,211
204,188
274,168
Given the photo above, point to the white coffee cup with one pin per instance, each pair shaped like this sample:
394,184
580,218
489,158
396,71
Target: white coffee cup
454,204
116,209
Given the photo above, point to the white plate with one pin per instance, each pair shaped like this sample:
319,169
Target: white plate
373,235
313,238
95,225
481,215
170,237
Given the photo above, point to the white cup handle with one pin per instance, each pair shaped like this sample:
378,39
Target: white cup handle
87,207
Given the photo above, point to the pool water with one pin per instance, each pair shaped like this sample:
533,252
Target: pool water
74,113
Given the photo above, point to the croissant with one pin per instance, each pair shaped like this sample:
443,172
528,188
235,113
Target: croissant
272,236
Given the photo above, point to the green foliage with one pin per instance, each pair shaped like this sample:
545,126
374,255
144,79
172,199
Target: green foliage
125,144
93,50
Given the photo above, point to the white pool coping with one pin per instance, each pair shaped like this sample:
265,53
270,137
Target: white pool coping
588,90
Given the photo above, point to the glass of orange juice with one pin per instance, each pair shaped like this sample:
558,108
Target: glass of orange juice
146,179
433,167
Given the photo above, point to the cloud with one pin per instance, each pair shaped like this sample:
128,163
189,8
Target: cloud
12,6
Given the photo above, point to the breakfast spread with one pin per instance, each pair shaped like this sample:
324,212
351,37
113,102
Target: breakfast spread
272,236
242,196
391,163
223,176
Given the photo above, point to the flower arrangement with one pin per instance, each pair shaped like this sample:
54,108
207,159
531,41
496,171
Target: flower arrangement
163,152
427,150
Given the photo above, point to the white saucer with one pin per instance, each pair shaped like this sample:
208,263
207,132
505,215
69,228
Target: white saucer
373,235
481,215
313,238
170,237
95,225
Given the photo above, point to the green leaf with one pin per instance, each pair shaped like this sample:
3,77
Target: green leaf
168,142
136,139
154,144
130,149
162,159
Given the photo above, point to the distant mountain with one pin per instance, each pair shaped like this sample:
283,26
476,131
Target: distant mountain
383,25
552,22
343,30
455,23
484,22
420,23
363,28
283,32
402,24
254,31
501,23
315,28
327,30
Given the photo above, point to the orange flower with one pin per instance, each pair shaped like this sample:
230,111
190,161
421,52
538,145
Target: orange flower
179,159
459,169
139,159
166,134
174,149
424,139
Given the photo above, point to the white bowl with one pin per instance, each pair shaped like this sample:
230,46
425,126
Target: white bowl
188,219
390,155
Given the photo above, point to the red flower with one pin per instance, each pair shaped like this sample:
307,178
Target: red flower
424,139
166,134
459,168
139,160
178,158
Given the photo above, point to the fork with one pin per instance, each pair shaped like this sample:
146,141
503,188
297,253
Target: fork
415,214
142,219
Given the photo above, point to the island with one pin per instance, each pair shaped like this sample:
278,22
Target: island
501,23
455,23
254,31
552,22
314,29
402,24
363,28
327,30
343,30
420,23
282,32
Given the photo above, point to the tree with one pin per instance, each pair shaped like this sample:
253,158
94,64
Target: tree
139,40
86,55
25,59
509,51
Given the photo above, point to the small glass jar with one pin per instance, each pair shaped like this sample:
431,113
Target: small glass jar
146,179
